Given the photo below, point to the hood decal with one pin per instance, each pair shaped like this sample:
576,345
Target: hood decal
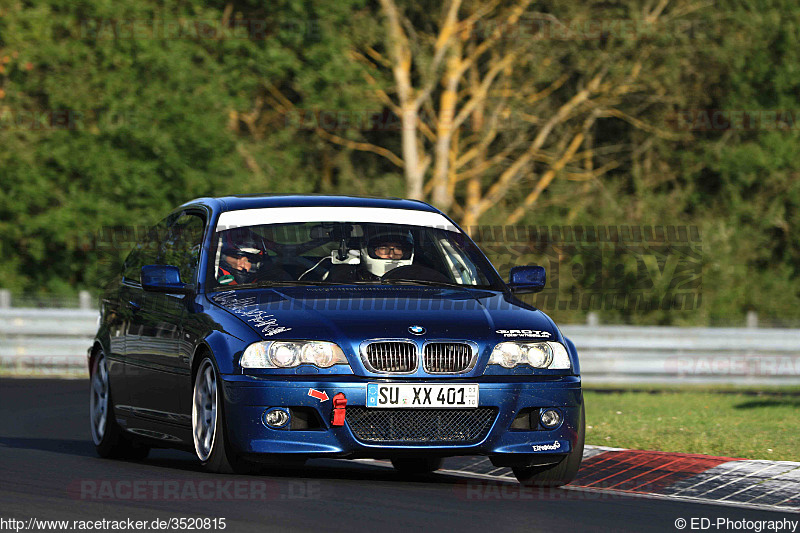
262,321
529,333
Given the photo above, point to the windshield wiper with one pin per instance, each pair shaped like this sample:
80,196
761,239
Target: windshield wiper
289,283
394,281
285,283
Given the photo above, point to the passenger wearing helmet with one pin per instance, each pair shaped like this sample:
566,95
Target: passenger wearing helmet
239,259
386,251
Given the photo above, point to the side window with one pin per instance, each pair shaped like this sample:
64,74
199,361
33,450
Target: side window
465,273
145,253
132,267
182,245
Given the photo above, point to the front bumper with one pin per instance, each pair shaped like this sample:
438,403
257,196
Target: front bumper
247,397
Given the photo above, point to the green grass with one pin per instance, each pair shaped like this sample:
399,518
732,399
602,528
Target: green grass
43,374
732,423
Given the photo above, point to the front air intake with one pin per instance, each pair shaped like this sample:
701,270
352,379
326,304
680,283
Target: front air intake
397,357
448,357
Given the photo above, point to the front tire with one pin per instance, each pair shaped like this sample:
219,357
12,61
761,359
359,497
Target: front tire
560,474
208,424
108,437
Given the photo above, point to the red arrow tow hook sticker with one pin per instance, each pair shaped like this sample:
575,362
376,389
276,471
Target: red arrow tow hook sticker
319,395
339,405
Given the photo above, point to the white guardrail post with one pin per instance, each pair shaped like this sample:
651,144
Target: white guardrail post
84,300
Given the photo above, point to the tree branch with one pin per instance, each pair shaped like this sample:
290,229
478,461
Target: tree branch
364,147
483,89
545,180
498,33
611,112
510,175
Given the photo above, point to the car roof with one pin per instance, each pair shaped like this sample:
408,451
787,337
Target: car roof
235,203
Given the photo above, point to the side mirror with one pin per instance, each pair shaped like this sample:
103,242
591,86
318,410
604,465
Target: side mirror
526,279
163,278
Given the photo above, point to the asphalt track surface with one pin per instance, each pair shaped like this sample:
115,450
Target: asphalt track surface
48,470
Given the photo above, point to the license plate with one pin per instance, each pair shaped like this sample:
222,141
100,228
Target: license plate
398,395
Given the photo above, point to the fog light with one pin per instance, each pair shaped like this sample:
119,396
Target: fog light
550,418
276,418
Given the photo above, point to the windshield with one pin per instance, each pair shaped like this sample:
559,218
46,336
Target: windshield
322,253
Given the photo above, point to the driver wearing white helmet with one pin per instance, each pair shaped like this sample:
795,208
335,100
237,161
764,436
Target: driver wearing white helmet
386,251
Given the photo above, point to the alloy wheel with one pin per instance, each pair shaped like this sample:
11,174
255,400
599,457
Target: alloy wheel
98,404
204,410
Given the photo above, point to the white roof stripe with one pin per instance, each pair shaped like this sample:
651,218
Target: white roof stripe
287,215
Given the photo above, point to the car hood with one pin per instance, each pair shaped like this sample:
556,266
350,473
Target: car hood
351,314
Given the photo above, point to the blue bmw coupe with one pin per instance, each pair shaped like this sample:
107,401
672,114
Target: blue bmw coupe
256,330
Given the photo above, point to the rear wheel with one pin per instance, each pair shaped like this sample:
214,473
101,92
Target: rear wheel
109,439
416,465
563,472
208,424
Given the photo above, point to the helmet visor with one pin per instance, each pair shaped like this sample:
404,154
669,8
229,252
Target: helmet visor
253,254
390,249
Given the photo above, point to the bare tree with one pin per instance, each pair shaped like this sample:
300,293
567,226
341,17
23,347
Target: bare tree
496,100
477,116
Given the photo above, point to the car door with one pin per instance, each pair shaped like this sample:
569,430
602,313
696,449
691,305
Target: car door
144,379
155,363
130,299
183,251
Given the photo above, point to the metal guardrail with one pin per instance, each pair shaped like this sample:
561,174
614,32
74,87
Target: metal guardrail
45,341
54,341
629,354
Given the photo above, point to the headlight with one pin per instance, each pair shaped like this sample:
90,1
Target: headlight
288,354
551,355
